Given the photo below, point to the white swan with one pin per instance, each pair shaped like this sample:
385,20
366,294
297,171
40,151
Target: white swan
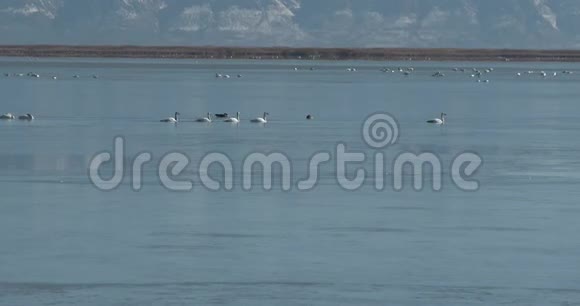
172,119
261,120
234,120
7,116
205,119
27,117
438,121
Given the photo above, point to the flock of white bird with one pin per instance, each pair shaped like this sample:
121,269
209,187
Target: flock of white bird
209,118
10,116
36,75
474,73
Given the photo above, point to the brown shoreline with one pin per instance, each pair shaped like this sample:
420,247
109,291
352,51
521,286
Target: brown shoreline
207,52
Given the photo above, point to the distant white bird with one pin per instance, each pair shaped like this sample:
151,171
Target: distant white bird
234,120
205,119
438,121
7,116
261,120
172,119
27,117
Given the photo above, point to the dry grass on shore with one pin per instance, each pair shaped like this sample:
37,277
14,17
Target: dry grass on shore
290,53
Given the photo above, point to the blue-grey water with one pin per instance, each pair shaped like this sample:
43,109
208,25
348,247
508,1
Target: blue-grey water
65,242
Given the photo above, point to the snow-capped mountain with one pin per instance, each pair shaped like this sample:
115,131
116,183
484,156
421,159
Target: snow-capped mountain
346,23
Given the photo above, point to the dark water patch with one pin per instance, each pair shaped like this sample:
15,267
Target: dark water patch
404,208
365,229
177,247
486,229
207,235
62,287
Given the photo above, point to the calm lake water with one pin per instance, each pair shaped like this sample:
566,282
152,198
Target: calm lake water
512,242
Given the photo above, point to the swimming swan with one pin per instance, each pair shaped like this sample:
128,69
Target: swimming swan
438,121
261,120
205,119
234,120
172,119
28,117
7,116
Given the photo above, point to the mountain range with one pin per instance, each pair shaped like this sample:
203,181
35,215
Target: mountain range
543,24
